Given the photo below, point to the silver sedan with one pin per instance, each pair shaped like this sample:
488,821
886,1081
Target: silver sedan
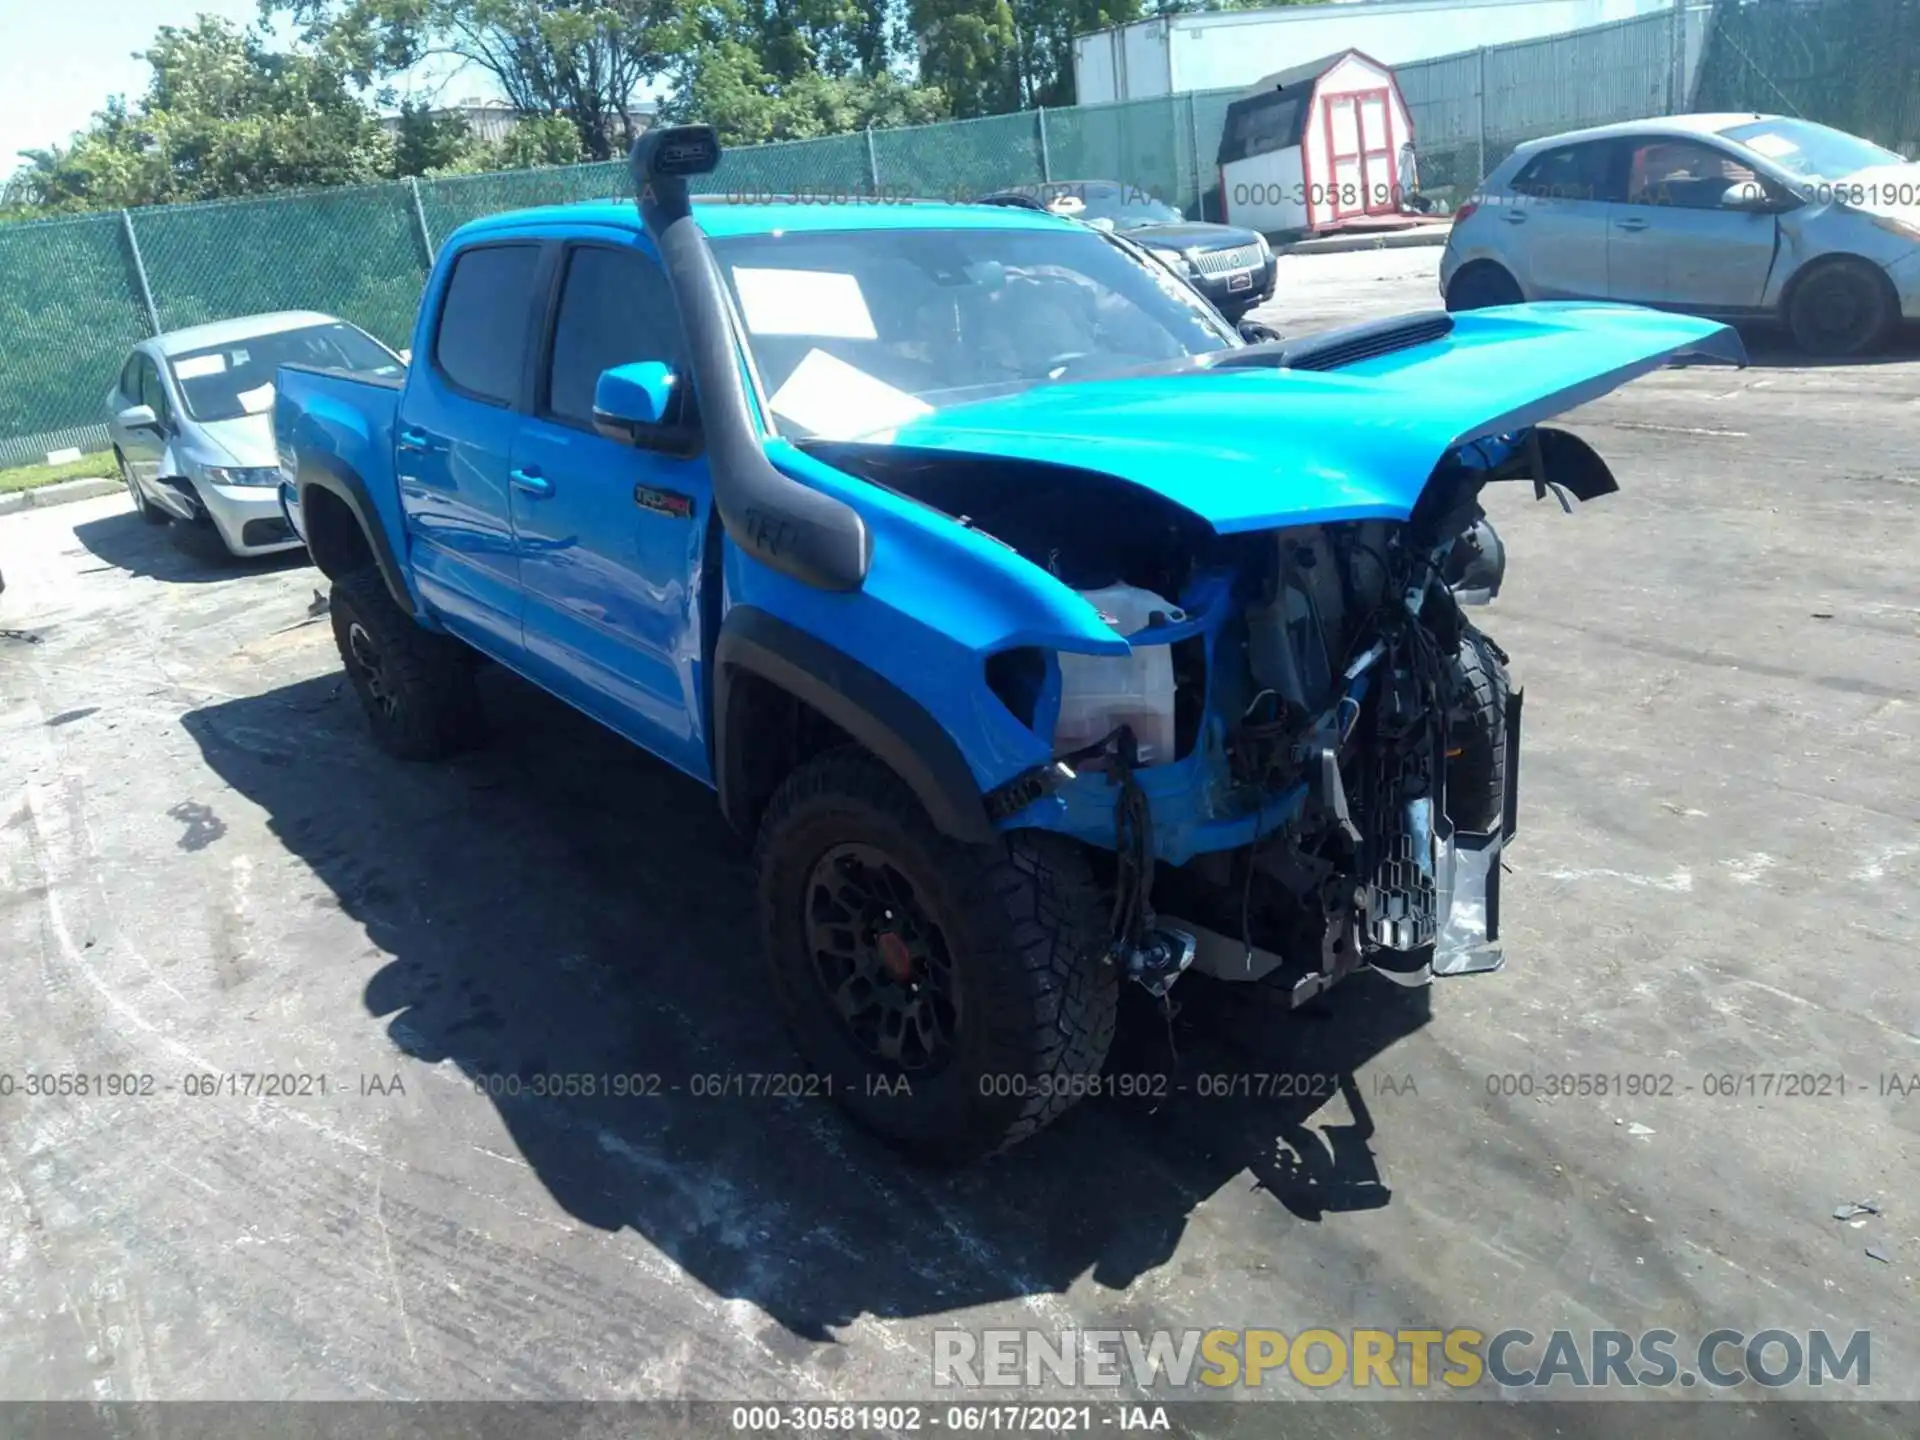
191,418
1737,217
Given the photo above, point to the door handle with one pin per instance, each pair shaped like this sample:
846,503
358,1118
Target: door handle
1515,217
530,482
412,440
1635,225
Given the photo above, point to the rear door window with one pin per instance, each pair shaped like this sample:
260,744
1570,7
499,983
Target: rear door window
480,345
153,394
1570,172
615,308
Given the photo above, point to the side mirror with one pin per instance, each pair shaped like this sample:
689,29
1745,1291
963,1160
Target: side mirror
1254,333
138,417
636,403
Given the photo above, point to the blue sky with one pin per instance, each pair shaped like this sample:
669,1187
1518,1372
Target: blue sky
61,59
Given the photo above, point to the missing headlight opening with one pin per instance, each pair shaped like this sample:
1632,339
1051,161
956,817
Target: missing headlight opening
1320,687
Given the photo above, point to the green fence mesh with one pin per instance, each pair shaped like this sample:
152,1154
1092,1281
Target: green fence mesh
71,303
450,202
353,252
1146,145
960,160
69,309
1853,64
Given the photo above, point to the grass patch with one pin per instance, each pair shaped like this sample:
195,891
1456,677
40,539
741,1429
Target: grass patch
29,477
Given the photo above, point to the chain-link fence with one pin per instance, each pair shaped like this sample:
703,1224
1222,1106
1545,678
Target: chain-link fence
75,294
1852,64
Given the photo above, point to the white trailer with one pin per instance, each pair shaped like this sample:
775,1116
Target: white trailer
1230,49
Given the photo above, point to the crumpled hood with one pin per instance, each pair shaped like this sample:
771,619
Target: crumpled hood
244,441
1253,449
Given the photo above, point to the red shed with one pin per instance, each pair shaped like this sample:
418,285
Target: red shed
1323,145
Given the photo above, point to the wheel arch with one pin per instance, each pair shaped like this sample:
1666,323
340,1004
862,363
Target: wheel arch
1797,280
343,529
1481,265
781,695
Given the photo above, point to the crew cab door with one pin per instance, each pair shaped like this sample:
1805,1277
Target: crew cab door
611,535
453,443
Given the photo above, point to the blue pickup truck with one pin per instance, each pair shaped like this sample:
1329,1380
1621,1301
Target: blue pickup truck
1047,635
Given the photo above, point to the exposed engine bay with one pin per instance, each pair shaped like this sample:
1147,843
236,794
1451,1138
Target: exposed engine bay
1307,764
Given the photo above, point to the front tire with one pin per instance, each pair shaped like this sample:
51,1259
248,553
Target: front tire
415,686
954,998
1477,739
1841,308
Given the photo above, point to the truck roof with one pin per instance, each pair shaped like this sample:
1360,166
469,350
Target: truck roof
721,218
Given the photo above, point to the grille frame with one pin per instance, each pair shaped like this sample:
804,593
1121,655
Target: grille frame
1228,261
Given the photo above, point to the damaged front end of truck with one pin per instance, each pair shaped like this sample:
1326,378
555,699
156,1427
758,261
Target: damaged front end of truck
1245,677
1307,762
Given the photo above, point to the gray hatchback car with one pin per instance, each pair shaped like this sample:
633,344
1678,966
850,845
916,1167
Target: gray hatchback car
191,419
1736,217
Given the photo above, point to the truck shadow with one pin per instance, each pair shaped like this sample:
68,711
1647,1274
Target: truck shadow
560,904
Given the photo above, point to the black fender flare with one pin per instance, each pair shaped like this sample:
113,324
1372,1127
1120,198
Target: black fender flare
869,707
344,484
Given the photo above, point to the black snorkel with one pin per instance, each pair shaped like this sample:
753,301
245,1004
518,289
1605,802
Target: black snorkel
781,523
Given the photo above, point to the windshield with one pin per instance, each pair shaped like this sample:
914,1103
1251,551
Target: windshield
858,332
1123,205
226,382
1813,152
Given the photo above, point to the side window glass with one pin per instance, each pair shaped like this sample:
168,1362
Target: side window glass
481,341
152,393
615,308
1685,174
130,379
1573,172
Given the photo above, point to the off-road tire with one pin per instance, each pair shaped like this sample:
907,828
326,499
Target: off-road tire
1841,308
1022,925
143,507
1477,773
1481,285
434,709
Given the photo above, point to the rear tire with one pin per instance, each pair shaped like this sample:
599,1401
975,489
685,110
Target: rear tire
415,686
954,998
1477,738
1481,285
1841,308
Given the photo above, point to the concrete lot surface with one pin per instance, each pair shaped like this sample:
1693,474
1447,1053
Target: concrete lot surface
206,870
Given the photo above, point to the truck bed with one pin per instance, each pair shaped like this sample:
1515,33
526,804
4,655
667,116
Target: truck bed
338,423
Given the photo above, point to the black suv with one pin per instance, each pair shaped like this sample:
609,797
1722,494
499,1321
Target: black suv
1232,267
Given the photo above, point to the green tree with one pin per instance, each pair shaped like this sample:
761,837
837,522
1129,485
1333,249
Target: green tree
538,140
584,60
426,143
751,97
992,56
222,115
